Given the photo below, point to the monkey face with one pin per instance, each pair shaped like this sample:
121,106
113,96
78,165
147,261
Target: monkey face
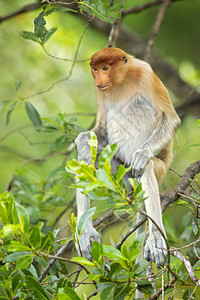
102,80
108,67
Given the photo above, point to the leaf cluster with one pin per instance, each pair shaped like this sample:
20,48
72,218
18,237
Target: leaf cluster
101,184
102,9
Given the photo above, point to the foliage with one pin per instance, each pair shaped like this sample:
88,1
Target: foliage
99,183
26,248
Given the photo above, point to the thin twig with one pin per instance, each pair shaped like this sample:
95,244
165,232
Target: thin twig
70,71
187,264
155,28
114,33
14,130
61,2
65,276
186,246
76,279
126,235
63,212
62,58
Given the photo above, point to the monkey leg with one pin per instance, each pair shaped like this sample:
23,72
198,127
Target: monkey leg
89,234
155,248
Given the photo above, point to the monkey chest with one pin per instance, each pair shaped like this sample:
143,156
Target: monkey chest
129,125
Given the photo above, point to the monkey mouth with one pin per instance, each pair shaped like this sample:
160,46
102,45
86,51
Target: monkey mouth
103,88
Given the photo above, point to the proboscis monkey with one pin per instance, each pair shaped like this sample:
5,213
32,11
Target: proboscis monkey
134,111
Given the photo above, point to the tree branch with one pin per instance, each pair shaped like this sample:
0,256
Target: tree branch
186,262
155,28
22,10
138,9
181,186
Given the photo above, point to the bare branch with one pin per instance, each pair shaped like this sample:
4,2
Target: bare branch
22,10
62,58
127,234
181,186
52,261
114,33
155,28
138,9
188,266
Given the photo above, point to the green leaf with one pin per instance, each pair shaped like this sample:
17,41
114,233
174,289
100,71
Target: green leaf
16,282
196,265
97,252
4,103
10,229
104,285
193,145
93,142
21,213
24,262
70,293
145,288
108,293
189,295
84,220
120,291
56,201
33,114
10,112
82,261
61,142
39,23
47,241
93,185
198,123
83,170
30,36
15,246
140,267
107,154
121,171
14,257
138,242
49,34
35,238
36,288
113,253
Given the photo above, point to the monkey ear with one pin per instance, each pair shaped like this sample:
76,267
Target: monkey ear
123,58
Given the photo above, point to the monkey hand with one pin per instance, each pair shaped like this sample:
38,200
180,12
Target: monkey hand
83,147
83,245
155,248
139,160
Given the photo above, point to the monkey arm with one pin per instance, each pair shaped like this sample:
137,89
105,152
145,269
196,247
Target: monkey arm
89,234
162,134
155,244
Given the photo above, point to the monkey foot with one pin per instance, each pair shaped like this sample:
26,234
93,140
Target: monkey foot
88,236
155,248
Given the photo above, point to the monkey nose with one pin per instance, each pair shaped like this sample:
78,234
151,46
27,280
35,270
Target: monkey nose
97,84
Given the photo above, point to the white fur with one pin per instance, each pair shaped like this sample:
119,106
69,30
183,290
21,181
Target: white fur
130,125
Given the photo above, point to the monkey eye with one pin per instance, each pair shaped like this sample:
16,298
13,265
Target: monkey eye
95,69
124,58
105,68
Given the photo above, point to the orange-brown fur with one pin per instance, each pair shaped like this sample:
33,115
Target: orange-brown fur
126,80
